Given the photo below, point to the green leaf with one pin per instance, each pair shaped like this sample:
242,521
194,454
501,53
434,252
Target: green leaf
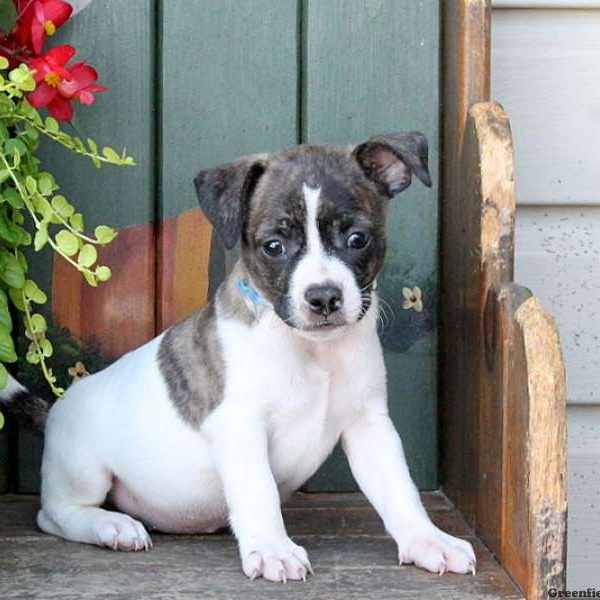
32,357
9,232
88,255
46,348
11,271
90,278
3,382
41,238
93,146
13,198
51,125
38,323
62,206
3,60
33,292
42,206
8,16
17,299
31,184
105,234
76,222
5,318
7,348
111,154
15,146
103,273
46,184
67,242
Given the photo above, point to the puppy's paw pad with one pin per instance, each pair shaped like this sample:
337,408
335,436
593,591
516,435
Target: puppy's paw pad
281,561
437,552
120,532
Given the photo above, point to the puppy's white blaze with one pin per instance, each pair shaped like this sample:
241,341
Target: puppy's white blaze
316,267
311,201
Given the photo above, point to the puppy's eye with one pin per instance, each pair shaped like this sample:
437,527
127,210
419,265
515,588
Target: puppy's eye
273,248
357,240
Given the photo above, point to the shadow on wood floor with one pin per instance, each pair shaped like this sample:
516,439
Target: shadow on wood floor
352,556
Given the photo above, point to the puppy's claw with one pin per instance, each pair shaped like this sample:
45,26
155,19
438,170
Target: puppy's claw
442,569
472,568
254,574
283,575
310,569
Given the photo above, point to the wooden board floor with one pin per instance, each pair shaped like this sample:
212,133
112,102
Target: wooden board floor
350,552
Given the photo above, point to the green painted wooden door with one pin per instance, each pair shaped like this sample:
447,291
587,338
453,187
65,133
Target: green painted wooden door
195,83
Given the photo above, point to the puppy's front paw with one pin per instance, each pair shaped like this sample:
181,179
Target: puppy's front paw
436,551
120,532
276,561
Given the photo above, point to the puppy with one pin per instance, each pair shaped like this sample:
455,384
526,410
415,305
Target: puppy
223,416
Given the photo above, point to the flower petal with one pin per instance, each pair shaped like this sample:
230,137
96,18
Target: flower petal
61,54
407,293
42,95
86,97
57,12
60,108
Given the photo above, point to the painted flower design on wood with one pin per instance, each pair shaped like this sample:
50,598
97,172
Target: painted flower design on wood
413,299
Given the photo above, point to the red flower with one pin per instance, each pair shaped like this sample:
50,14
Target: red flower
58,85
39,18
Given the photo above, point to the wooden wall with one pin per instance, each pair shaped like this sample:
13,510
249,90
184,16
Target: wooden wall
195,84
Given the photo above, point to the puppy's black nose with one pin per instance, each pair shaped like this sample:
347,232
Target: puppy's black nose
324,299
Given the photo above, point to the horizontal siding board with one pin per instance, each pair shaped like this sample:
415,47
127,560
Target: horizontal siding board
584,497
545,66
558,256
540,4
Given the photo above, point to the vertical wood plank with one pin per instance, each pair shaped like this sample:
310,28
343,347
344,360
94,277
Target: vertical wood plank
231,92
118,39
466,58
372,67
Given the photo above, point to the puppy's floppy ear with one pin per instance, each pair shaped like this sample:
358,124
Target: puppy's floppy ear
224,192
390,160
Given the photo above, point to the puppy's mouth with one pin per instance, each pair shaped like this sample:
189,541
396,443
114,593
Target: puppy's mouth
323,326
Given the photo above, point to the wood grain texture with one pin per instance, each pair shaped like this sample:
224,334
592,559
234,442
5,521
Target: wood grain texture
465,51
120,312
534,521
545,73
503,413
367,68
184,244
352,557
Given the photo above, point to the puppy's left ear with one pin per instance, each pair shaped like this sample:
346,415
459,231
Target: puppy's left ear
390,160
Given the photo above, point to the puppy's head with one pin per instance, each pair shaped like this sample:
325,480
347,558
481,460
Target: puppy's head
312,222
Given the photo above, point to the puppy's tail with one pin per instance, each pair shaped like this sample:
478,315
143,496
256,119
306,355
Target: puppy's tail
26,407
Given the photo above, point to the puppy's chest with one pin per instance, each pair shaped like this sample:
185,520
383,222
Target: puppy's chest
307,411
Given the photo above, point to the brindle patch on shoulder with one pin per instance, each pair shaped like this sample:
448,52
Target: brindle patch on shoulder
191,361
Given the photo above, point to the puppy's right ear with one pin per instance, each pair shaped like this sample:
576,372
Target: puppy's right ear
223,193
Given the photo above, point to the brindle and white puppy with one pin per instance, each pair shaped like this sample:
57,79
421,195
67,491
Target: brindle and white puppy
222,417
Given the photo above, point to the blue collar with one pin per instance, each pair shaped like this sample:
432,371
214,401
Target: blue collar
249,292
